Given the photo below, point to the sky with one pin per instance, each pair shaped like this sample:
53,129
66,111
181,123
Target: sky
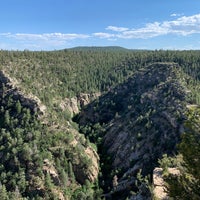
133,24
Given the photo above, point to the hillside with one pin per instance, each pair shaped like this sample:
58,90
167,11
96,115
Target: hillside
141,119
128,109
40,160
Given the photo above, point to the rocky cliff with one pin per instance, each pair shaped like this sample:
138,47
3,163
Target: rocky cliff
141,120
13,89
75,104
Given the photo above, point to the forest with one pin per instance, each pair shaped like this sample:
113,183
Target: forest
111,115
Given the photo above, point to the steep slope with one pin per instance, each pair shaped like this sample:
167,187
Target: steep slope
138,121
40,160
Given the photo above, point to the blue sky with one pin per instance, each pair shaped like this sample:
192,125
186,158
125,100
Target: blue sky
134,24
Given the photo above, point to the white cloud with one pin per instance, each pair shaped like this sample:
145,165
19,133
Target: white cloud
104,35
47,36
5,34
176,15
150,30
117,29
185,25
173,15
40,41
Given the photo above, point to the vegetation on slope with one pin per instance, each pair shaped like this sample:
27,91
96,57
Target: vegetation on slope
137,122
57,75
40,160
186,185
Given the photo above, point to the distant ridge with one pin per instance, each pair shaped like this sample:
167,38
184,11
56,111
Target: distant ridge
98,48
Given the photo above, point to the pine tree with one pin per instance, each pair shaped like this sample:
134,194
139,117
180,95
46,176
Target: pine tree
7,118
71,172
64,178
18,107
3,192
48,182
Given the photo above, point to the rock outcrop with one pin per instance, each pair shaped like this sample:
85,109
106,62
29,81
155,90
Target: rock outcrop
89,172
71,105
86,163
49,168
160,191
75,104
93,170
26,100
158,183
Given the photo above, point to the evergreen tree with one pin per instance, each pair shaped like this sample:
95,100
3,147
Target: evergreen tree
71,172
48,182
7,118
3,193
18,107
